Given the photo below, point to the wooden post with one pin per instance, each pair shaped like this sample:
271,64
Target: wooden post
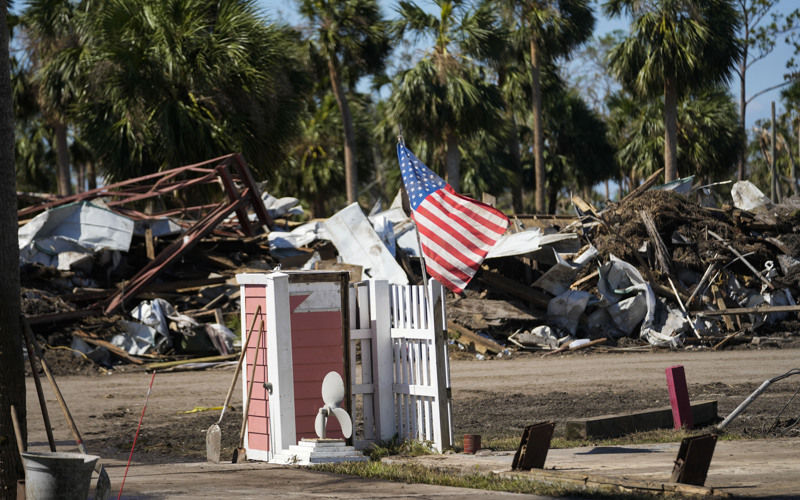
443,430
679,397
149,243
280,366
382,365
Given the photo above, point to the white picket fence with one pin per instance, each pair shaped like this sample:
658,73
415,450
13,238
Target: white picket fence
402,383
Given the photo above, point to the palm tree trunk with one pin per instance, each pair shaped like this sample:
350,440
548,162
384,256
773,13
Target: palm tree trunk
350,173
80,177
91,176
64,181
453,159
516,165
670,130
538,140
12,373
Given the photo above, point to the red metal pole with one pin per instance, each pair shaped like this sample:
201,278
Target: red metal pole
679,397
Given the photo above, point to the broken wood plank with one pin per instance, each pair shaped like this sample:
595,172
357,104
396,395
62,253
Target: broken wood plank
219,260
709,271
584,207
184,286
149,244
58,317
115,350
749,310
473,340
219,317
493,309
589,344
662,254
724,341
741,257
778,244
585,280
209,359
566,347
716,294
356,271
683,309
644,186
510,286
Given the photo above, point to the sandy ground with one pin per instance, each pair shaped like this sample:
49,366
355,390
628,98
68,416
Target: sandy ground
494,398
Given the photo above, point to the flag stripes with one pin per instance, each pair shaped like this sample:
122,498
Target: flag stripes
456,232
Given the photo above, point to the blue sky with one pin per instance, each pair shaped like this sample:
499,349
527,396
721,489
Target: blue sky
764,74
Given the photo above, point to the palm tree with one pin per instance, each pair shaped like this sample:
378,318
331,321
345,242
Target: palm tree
12,374
552,28
445,97
51,38
675,47
352,36
181,81
709,138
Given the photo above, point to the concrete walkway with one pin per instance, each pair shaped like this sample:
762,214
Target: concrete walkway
748,469
260,480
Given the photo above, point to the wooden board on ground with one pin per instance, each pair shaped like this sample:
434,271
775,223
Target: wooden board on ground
473,340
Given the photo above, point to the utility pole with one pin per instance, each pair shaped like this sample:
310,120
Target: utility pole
774,181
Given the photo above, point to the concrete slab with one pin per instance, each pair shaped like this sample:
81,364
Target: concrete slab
752,468
261,480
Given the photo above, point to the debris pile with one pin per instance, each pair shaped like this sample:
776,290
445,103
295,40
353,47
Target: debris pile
120,274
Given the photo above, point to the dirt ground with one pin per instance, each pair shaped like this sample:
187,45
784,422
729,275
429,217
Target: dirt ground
494,398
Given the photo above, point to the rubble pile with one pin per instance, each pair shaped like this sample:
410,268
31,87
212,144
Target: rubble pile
121,275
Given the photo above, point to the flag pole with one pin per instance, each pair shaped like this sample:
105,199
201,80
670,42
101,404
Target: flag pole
401,140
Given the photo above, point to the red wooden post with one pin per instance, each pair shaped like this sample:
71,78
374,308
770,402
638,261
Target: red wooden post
679,397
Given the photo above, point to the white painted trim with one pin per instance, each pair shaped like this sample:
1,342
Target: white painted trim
415,390
252,278
260,455
280,367
382,366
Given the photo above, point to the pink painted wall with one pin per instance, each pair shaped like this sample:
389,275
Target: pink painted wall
317,348
257,421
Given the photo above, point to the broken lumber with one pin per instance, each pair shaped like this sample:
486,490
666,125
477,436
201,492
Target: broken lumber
584,207
644,186
749,310
508,285
703,412
473,340
493,310
108,345
566,347
716,294
662,254
741,257
209,359
724,341
586,279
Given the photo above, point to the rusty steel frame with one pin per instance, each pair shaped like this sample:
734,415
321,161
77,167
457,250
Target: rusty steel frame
165,183
176,249
225,170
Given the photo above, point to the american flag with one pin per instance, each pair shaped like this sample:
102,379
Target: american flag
456,232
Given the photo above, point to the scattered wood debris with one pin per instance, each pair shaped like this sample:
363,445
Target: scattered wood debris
658,270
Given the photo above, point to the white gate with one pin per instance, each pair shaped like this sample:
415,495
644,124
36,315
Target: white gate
404,382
